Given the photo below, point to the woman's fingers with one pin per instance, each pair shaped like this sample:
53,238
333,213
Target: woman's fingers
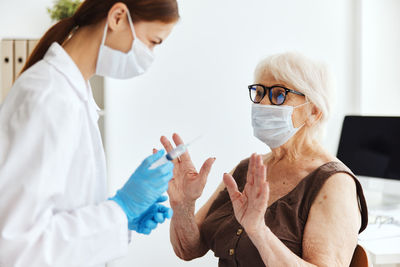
159,217
259,172
162,198
166,212
168,146
166,143
146,231
150,224
178,141
250,170
155,151
232,187
205,169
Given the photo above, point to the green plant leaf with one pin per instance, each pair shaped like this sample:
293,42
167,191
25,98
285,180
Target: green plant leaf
63,9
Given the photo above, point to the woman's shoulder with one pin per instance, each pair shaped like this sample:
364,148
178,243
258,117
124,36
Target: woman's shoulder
332,166
335,177
41,77
35,95
40,85
334,180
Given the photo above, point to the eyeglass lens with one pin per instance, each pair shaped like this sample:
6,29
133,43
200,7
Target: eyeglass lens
277,95
256,93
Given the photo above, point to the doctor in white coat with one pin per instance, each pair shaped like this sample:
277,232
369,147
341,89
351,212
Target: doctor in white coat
54,209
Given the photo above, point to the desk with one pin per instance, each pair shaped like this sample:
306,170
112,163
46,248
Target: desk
382,242
383,251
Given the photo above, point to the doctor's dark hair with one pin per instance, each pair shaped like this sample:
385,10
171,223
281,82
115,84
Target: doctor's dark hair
93,11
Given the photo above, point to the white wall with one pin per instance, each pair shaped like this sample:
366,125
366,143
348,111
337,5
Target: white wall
24,19
198,86
380,60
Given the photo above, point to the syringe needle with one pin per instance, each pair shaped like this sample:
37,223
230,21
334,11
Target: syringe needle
194,140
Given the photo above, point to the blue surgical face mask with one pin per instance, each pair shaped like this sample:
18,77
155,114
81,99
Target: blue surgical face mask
119,65
273,125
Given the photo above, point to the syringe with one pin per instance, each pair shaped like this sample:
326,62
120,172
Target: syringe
173,154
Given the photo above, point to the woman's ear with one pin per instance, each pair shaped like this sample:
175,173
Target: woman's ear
315,116
116,16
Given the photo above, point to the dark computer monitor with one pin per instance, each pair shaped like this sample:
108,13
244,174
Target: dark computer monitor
370,146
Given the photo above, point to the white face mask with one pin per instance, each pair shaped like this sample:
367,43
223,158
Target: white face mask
273,125
119,65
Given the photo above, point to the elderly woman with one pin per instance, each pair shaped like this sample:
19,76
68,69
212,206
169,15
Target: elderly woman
295,206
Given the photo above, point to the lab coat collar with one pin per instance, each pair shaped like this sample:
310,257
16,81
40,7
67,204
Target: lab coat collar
59,58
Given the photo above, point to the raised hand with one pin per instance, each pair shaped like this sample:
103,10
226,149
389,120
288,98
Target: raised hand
250,205
186,184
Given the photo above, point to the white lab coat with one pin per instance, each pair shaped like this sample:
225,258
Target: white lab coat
53,207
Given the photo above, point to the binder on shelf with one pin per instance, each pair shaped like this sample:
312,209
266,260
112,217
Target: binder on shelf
21,53
31,46
7,67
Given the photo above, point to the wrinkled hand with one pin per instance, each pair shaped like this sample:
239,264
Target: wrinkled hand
250,205
150,219
186,184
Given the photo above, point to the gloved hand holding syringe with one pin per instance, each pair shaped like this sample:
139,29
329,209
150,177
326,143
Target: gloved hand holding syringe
173,154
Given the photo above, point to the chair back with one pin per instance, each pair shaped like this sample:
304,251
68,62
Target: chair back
360,258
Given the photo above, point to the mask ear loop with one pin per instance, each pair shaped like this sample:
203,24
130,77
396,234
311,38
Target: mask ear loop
131,24
140,42
304,123
302,104
104,34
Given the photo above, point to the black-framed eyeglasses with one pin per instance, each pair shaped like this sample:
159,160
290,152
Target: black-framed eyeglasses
276,93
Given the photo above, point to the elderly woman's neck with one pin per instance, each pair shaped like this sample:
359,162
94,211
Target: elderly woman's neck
295,149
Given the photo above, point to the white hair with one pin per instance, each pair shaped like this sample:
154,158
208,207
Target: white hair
310,77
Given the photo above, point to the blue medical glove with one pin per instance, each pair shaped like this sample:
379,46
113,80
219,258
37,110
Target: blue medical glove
144,187
149,220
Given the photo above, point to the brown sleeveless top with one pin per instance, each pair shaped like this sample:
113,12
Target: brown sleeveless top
286,217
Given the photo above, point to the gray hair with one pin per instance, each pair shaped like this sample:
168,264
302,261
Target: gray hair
310,77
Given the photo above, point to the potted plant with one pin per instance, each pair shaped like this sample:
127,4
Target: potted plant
63,9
